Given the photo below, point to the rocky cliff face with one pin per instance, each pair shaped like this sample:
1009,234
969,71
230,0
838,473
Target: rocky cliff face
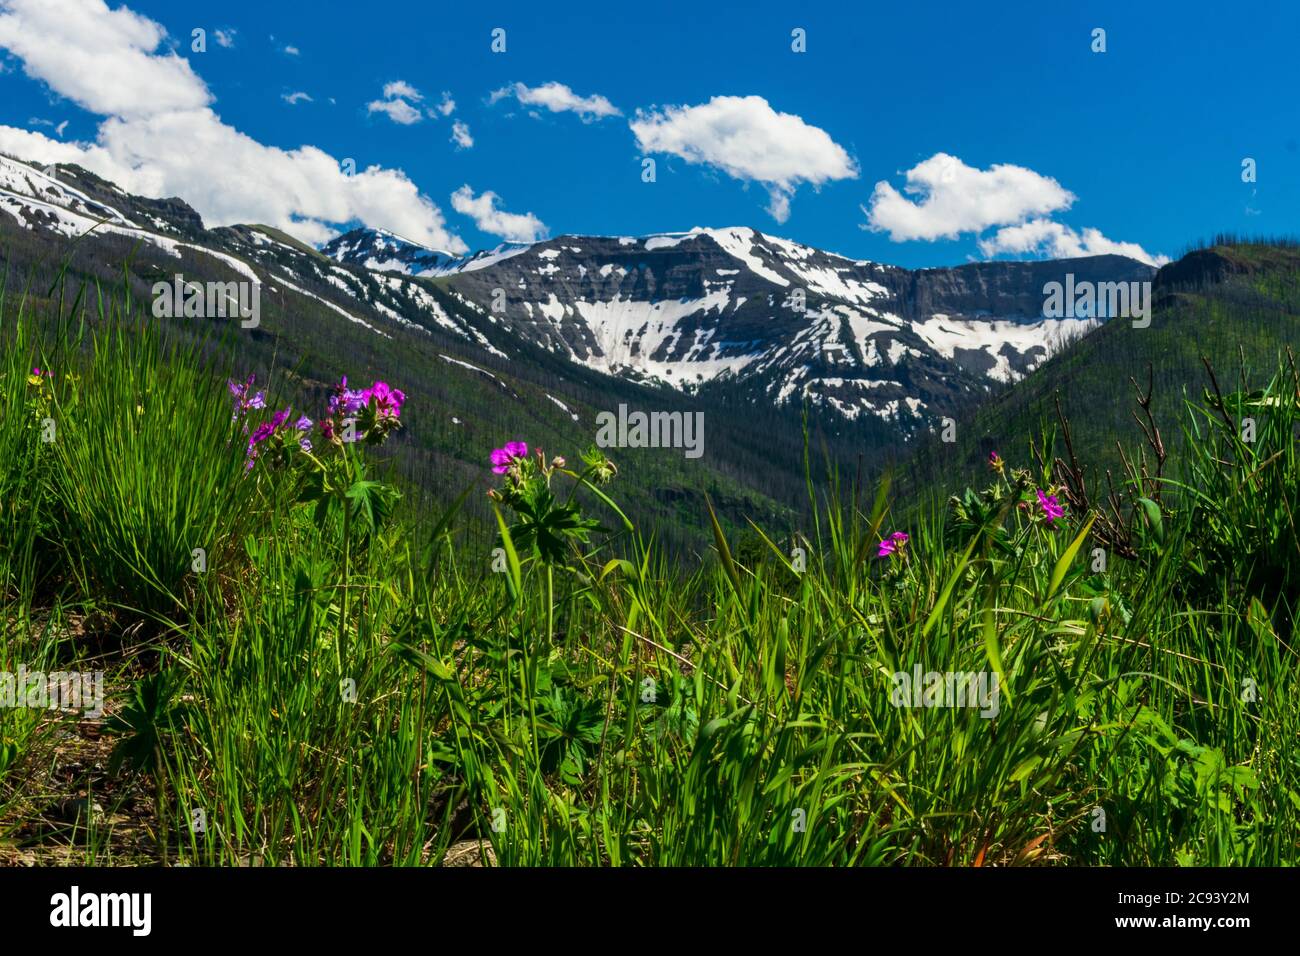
707,312
734,308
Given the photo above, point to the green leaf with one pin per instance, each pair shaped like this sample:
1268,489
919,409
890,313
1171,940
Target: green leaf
724,552
937,612
991,645
1154,519
515,577
1066,559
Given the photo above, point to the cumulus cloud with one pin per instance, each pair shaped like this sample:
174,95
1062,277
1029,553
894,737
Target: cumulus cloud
1043,237
950,198
748,140
398,103
102,59
159,136
460,135
402,89
497,222
293,99
399,111
558,98
224,38
448,105
944,199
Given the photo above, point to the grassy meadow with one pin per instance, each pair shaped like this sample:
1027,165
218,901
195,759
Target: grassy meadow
302,671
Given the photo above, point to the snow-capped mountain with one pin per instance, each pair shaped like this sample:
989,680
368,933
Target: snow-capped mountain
382,251
736,308
70,202
709,311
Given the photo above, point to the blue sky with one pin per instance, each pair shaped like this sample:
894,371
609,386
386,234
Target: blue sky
1050,147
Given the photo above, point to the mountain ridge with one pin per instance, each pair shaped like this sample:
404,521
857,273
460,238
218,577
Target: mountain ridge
704,312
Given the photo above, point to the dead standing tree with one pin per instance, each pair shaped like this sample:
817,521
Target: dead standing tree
1116,520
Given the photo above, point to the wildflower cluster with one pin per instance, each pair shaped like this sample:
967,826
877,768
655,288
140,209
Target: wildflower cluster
365,414
543,524
523,473
352,415
1014,489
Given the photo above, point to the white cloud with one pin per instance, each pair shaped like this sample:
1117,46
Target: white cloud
558,98
102,59
159,137
401,89
292,50
460,135
399,111
952,198
224,38
448,105
61,127
397,103
748,140
1043,237
293,99
483,210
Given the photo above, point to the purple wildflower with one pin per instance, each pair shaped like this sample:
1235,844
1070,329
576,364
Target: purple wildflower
346,401
502,458
1051,508
387,400
264,431
245,398
894,544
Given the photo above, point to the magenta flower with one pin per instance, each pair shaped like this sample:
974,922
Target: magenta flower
388,401
260,434
1051,509
894,544
502,458
264,431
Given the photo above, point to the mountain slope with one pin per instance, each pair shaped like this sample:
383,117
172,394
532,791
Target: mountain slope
468,390
714,309
1236,304
534,341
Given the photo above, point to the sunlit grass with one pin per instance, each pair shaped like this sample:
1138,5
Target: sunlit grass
338,686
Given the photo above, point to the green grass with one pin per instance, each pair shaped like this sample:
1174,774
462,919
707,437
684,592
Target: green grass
342,684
